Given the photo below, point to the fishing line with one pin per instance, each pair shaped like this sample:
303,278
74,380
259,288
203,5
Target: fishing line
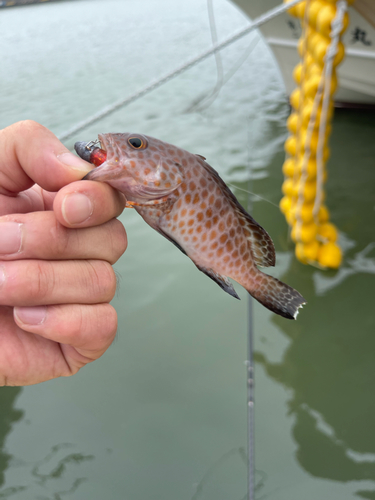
107,110
250,356
253,194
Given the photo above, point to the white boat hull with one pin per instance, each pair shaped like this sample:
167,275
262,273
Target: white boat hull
356,73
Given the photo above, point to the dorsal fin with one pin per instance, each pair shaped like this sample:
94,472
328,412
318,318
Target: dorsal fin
260,242
200,156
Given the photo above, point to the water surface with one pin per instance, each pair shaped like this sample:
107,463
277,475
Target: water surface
163,413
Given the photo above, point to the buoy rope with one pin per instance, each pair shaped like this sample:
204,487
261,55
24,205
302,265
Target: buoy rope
107,110
310,126
336,29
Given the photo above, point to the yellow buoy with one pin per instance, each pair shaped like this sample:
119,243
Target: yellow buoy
330,255
309,126
327,231
304,233
307,252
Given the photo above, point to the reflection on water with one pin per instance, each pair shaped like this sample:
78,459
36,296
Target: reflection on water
8,416
329,362
55,475
169,398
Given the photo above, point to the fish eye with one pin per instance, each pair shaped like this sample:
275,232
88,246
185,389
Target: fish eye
137,143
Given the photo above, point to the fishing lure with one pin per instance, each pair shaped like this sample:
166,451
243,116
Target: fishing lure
183,198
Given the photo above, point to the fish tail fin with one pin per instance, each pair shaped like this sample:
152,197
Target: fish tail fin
280,298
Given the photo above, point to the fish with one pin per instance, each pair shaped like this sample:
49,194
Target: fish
184,199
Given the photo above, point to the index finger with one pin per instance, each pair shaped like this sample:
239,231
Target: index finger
32,154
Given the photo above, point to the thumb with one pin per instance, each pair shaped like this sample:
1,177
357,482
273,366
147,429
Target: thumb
31,154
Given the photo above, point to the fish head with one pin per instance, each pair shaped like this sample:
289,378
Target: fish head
137,166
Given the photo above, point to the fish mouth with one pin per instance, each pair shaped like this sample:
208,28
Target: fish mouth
84,150
111,169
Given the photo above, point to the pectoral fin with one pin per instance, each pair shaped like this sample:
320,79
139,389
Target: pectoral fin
222,281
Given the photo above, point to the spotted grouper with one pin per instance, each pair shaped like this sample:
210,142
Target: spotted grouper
183,198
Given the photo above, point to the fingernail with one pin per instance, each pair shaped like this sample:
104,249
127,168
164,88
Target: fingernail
74,161
76,208
11,237
31,315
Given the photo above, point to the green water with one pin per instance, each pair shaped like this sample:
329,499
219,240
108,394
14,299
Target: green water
162,415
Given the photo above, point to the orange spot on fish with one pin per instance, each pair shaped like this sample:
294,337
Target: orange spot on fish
192,186
213,235
208,224
223,238
188,198
181,224
196,198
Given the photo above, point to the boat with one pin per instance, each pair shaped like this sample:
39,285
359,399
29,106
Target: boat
356,73
17,3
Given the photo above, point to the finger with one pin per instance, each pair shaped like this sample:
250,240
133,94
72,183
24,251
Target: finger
30,200
88,329
87,203
40,236
38,282
30,154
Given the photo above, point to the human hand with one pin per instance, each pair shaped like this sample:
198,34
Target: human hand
58,239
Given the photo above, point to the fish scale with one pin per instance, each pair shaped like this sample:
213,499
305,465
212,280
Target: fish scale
183,198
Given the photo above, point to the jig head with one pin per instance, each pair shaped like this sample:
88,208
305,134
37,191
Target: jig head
90,152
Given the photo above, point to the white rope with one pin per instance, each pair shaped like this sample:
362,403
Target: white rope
157,83
337,25
323,90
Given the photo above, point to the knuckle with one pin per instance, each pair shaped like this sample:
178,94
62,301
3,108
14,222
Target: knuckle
109,316
28,125
61,239
44,280
103,279
118,241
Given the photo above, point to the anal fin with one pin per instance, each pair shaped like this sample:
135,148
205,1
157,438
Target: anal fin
222,281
